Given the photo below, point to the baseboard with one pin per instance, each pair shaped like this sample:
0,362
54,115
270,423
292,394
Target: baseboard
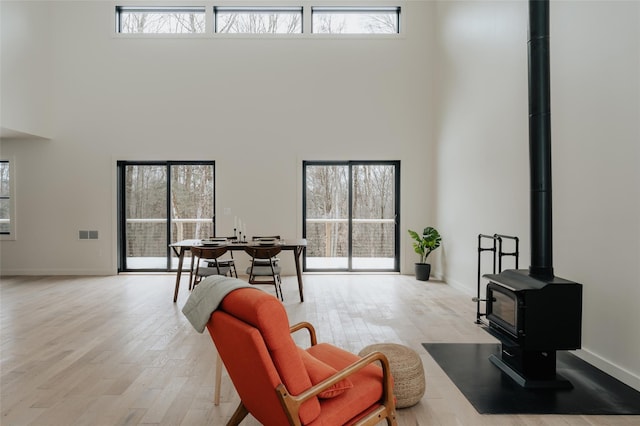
53,272
460,286
626,377
437,276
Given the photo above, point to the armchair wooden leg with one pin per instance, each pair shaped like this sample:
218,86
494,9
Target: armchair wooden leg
216,393
239,415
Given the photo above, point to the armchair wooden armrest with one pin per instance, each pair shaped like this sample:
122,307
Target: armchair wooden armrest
292,403
308,326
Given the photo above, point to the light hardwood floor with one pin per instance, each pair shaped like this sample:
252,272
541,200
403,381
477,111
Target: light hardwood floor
117,351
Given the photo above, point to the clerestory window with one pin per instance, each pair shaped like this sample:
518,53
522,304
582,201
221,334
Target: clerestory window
355,20
160,20
258,20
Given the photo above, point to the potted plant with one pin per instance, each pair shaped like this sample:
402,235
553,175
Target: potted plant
423,245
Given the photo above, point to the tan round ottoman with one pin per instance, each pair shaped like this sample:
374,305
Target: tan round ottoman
406,369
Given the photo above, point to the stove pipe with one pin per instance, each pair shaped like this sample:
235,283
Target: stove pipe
540,140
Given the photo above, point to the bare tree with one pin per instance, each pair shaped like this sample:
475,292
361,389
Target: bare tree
382,23
259,23
159,22
191,197
5,194
372,197
356,23
327,24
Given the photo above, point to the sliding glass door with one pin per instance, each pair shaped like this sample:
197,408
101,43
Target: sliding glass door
161,203
351,212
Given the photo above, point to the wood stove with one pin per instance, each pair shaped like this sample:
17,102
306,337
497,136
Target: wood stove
533,318
533,313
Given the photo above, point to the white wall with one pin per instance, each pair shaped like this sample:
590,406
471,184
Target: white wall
256,106
25,87
482,142
260,107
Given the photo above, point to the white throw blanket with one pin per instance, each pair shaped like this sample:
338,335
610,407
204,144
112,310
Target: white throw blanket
206,297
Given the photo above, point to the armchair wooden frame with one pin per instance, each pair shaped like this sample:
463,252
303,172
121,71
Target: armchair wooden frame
386,410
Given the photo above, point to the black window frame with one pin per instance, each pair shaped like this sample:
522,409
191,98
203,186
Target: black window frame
397,205
121,232
11,198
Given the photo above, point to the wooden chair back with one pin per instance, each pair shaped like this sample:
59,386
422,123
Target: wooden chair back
263,252
264,266
205,253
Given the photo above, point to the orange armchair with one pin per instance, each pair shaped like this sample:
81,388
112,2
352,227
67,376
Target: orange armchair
280,383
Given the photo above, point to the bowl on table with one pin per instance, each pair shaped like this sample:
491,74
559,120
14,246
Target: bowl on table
214,242
267,241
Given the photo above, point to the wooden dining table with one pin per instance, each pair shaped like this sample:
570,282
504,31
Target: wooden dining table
296,246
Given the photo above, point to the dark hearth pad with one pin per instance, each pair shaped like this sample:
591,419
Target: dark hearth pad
492,392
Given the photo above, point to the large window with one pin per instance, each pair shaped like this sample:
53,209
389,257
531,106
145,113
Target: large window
160,20
7,212
161,203
258,20
351,212
356,20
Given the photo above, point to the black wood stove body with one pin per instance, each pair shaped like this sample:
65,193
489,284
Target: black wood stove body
533,318
532,312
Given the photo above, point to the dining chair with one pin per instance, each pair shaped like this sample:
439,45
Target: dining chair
258,238
281,383
229,261
209,256
263,268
